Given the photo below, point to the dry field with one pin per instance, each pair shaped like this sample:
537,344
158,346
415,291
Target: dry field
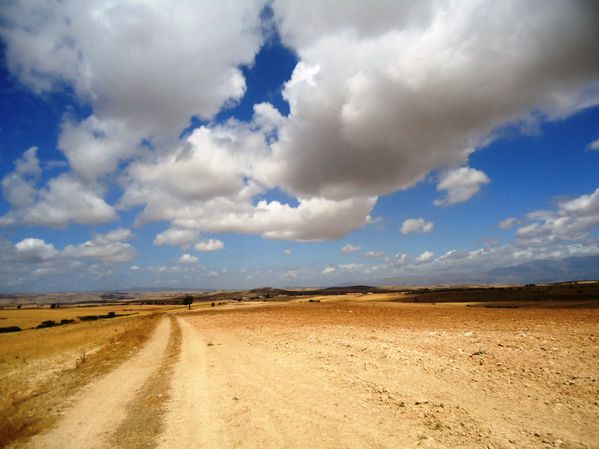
352,374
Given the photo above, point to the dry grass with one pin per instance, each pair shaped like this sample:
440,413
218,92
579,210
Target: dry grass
40,368
144,421
30,317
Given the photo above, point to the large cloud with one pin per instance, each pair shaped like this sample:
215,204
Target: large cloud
384,95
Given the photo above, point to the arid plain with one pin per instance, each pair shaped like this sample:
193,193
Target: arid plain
360,371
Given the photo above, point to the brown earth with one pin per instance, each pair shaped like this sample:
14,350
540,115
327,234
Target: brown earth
377,375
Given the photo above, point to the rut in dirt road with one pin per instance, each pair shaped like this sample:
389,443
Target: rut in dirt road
188,422
99,407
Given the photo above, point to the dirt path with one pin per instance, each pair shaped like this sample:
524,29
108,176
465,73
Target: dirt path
99,407
189,423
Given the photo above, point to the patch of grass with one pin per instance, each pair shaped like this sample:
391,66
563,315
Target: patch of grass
144,421
31,402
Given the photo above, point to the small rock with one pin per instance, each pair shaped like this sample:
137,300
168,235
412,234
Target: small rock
236,398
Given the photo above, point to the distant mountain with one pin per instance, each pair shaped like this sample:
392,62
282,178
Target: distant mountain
551,270
538,271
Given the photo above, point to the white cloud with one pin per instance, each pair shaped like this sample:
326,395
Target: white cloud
287,252
102,250
291,274
188,259
158,52
365,101
373,254
350,266
461,184
329,270
209,245
426,256
135,268
413,225
28,164
176,237
508,223
116,235
50,46
369,115
594,145
374,220
573,220
349,248
65,200
32,249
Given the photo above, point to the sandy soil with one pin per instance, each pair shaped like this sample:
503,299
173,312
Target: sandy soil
363,375
367,375
99,407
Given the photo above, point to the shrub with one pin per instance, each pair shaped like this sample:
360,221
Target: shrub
9,329
47,323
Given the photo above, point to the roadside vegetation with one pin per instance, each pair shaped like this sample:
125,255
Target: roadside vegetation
40,368
144,421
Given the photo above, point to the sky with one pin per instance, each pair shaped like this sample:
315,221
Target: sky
238,144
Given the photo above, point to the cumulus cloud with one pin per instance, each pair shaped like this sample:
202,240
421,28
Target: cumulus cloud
144,48
188,259
426,256
103,248
290,274
508,223
116,235
574,219
209,245
176,237
373,254
369,115
287,252
414,225
349,248
329,270
144,80
594,145
460,185
32,249
365,101
63,201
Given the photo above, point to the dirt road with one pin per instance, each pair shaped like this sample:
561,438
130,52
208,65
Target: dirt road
99,408
348,375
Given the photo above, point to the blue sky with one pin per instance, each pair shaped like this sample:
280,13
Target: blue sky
293,144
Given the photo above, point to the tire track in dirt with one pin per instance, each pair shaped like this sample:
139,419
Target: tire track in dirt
101,406
188,422
226,395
